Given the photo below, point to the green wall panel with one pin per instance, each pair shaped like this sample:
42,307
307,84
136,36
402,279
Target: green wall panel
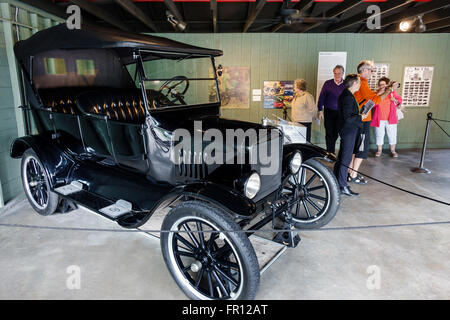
292,56
10,168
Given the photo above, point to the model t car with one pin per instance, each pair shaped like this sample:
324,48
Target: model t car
103,108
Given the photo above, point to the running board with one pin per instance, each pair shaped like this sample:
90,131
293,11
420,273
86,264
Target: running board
74,186
117,209
106,207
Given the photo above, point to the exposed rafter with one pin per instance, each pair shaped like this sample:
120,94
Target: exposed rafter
213,5
385,7
301,6
413,12
444,23
337,10
102,14
48,7
135,11
251,18
427,18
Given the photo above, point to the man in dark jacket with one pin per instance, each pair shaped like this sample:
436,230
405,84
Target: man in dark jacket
350,121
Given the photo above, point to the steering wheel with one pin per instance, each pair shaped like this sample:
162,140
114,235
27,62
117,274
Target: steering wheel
170,91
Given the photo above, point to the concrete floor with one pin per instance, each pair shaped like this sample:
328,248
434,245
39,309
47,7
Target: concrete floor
413,262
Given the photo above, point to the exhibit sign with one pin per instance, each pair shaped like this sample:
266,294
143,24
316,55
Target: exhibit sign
327,61
379,70
417,86
278,94
234,86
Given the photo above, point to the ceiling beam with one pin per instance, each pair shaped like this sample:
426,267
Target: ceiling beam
427,18
48,7
413,12
252,16
101,14
135,11
435,26
337,10
444,30
213,5
302,7
385,7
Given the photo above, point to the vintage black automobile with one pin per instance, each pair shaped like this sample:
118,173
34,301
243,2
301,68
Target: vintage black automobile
102,107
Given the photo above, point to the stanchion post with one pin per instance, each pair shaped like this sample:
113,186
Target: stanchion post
420,168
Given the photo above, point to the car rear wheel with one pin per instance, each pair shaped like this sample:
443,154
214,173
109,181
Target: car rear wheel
205,262
36,185
314,195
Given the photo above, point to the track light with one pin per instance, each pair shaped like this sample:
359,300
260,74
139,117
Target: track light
421,26
178,25
405,25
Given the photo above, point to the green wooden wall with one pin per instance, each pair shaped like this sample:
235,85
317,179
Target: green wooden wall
291,56
9,169
11,126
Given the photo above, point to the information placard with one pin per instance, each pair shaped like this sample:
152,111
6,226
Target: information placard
417,86
327,61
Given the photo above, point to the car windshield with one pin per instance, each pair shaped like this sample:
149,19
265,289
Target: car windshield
180,80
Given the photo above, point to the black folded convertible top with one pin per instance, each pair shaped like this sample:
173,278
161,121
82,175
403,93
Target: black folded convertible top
60,37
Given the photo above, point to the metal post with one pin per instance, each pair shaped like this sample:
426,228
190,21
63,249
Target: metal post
421,169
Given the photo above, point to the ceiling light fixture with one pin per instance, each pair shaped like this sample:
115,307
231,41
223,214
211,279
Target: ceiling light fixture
421,26
405,25
178,25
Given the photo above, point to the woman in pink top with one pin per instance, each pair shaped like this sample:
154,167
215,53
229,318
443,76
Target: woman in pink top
384,118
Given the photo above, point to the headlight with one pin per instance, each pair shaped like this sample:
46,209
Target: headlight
296,163
252,185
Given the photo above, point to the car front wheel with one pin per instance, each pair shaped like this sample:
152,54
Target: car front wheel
313,194
205,262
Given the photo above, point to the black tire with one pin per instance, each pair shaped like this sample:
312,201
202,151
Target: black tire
36,184
236,258
305,213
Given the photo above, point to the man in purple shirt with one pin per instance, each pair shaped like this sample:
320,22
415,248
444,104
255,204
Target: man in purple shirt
328,99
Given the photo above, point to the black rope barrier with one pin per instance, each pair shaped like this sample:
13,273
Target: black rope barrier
417,224
434,120
441,120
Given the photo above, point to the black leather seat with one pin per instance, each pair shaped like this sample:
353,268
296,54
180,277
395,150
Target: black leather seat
120,104
60,100
124,105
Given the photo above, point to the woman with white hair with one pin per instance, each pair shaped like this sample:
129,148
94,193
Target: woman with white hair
303,106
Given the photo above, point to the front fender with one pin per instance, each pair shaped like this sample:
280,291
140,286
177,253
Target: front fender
308,151
226,198
56,163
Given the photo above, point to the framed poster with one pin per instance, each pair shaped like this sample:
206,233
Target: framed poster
379,70
234,86
277,94
327,62
417,86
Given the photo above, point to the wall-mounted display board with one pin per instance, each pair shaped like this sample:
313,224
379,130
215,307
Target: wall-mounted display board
277,94
417,86
379,70
327,61
234,86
